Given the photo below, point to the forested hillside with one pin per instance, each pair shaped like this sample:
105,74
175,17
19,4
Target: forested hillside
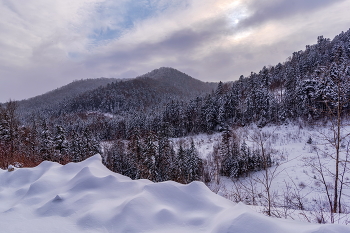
137,117
49,101
147,92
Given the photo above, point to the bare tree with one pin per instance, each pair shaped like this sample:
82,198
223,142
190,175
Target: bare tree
333,102
261,139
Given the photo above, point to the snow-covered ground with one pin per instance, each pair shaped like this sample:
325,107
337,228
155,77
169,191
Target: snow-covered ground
87,197
294,179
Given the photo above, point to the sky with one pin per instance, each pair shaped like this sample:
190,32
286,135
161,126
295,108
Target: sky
46,44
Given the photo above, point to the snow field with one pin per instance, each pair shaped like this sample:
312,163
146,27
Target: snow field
87,197
293,176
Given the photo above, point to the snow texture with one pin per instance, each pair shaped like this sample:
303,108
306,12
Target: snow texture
87,197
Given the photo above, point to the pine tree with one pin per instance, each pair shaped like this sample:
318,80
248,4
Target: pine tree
117,159
75,148
60,143
210,115
194,164
181,165
46,142
89,145
164,159
233,162
34,139
135,149
149,154
229,151
243,159
225,152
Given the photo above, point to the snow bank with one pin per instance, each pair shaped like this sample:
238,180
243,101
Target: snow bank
87,197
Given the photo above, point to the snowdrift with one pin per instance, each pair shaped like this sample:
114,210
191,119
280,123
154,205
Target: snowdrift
87,197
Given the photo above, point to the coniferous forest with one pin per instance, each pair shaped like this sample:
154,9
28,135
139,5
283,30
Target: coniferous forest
136,119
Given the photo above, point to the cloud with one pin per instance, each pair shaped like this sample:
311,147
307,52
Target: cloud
188,45
165,39
265,11
46,44
33,25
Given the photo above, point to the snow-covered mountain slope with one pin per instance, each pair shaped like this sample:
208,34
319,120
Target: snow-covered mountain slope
86,197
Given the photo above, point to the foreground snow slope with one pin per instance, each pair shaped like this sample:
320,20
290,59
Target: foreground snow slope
87,197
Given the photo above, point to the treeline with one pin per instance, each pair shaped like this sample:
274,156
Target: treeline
234,158
153,156
28,145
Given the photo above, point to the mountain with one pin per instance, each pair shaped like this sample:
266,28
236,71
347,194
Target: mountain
116,96
52,98
151,90
181,81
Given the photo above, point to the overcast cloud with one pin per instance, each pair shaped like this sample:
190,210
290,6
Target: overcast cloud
46,43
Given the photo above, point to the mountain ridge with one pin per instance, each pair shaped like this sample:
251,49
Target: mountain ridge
54,97
160,85
153,88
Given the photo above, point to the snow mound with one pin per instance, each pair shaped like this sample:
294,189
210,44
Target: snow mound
87,197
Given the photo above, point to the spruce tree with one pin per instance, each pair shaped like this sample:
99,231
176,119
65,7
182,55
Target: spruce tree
46,142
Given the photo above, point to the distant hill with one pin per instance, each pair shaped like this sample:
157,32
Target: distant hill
147,91
52,98
181,81
150,90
